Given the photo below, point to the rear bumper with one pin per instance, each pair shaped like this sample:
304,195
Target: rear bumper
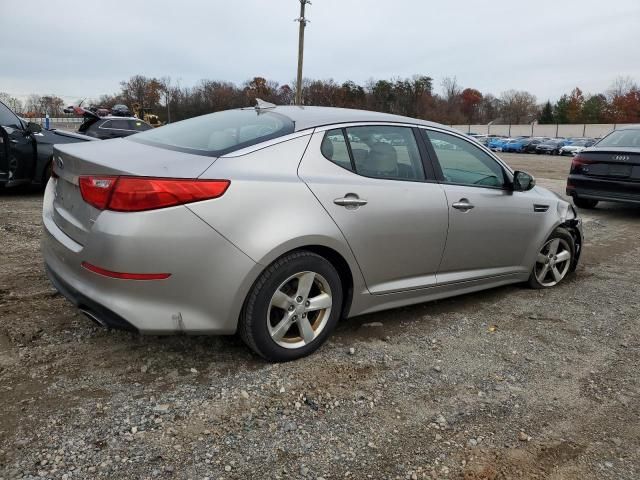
610,190
209,280
94,310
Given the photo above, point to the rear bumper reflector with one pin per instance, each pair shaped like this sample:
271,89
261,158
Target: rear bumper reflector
125,276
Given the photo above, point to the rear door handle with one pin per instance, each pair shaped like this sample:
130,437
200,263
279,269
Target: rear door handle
463,205
350,201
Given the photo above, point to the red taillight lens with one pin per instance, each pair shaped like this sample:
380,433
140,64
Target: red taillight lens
579,160
125,276
136,194
96,191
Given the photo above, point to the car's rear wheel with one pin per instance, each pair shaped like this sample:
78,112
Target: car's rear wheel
554,260
292,308
587,203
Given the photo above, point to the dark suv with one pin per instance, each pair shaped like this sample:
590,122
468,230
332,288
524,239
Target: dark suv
104,128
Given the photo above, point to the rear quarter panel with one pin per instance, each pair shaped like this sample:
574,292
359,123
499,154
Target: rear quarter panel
267,210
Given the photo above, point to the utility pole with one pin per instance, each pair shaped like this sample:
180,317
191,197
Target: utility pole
303,23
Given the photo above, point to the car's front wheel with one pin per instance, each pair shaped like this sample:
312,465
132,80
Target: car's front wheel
292,307
554,260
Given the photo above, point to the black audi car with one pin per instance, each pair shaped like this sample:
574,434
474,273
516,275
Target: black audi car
607,171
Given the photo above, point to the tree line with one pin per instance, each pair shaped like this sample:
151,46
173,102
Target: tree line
413,97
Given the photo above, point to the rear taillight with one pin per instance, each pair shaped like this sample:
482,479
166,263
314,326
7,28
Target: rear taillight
96,191
577,162
136,194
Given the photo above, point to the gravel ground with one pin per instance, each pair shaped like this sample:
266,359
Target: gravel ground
507,383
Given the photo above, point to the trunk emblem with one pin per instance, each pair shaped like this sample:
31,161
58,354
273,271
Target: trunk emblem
59,163
621,158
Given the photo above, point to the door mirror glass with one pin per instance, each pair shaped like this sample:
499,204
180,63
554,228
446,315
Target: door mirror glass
33,127
523,182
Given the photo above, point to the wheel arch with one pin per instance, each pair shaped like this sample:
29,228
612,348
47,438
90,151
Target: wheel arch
346,265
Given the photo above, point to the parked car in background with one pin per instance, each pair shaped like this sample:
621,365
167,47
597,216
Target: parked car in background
369,224
576,147
26,149
111,126
517,145
497,143
531,144
607,171
550,147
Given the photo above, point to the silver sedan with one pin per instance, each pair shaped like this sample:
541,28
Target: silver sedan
275,222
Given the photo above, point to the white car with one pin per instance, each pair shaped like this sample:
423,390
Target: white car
576,147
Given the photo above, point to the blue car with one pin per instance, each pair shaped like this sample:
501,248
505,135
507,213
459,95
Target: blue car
516,145
496,144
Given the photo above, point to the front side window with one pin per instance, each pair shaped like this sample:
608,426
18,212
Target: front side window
218,133
463,163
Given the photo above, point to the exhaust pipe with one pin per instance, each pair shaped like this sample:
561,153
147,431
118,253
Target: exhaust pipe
93,317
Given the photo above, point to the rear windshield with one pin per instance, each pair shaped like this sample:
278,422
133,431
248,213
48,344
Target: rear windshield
621,138
218,133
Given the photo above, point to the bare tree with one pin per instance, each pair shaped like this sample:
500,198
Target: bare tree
518,106
621,86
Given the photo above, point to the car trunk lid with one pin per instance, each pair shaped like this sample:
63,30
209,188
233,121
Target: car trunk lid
620,164
71,213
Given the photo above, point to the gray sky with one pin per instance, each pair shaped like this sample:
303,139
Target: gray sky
83,48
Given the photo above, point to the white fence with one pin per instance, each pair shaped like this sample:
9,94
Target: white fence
593,130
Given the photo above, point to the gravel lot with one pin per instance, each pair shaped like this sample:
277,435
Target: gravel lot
508,383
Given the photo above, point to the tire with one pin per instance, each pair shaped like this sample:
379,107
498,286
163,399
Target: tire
46,174
281,283
557,270
586,203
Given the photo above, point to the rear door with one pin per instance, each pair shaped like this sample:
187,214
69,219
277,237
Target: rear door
18,162
373,182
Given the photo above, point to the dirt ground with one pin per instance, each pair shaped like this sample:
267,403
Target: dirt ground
507,383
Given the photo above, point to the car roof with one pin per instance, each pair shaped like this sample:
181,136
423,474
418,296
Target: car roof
305,117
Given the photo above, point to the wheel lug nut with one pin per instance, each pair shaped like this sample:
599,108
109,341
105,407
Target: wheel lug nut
299,299
291,308
304,315
307,303
295,317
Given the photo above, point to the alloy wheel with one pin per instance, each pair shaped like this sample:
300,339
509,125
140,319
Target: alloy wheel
553,262
299,310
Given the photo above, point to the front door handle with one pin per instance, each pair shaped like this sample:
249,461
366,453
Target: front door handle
350,201
463,205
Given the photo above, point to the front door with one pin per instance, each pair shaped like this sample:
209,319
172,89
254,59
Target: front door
490,226
372,181
17,163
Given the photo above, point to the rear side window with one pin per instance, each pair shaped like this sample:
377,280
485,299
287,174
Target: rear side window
334,148
116,124
621,138
378,151
7,117
138,125
219,133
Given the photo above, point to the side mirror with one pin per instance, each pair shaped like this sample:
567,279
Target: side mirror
33,127
522,181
